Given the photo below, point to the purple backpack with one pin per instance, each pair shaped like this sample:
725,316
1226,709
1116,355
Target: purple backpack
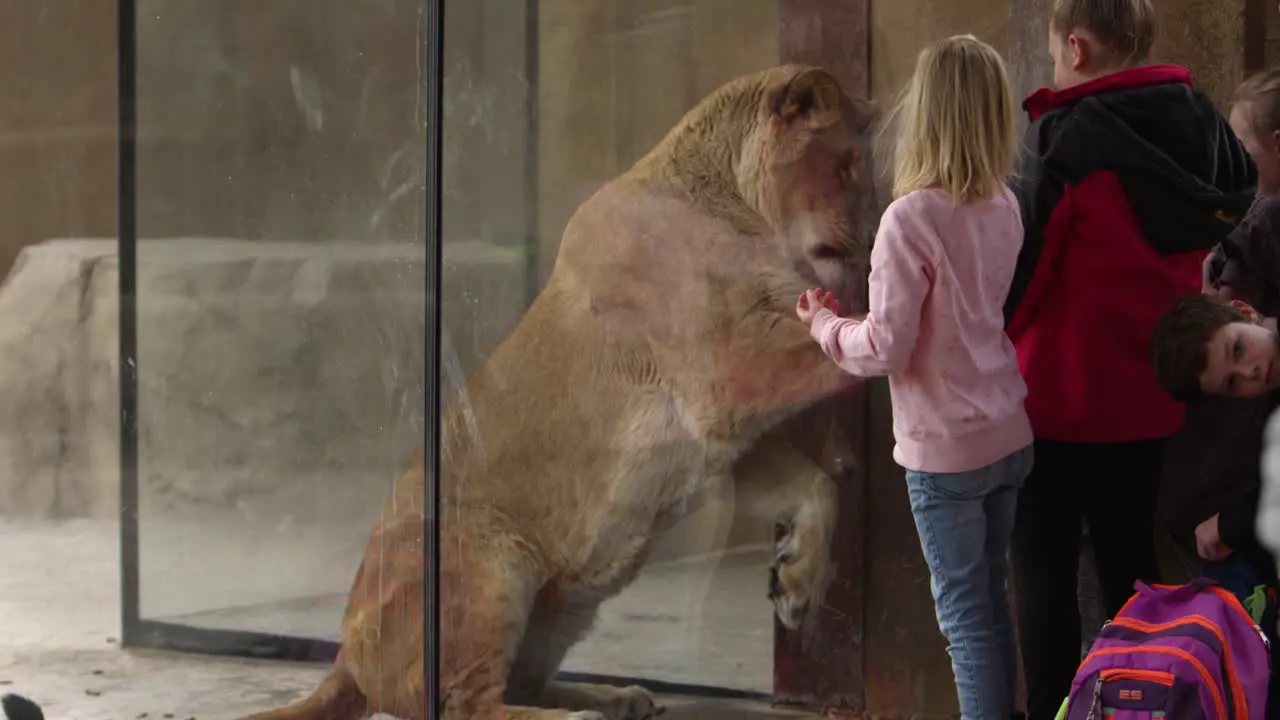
1174,651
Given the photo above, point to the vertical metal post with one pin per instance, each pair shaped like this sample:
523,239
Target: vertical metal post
532,219
825,666
433,118
1256,13
126,258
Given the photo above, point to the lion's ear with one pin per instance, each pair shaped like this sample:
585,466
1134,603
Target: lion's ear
814,90
803,94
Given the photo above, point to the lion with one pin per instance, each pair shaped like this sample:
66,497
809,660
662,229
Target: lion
657,365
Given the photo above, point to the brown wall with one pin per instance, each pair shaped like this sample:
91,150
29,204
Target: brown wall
1208,37
57,121
616,76
277,120
224,149
1271,38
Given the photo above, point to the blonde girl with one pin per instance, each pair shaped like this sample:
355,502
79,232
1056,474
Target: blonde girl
941,267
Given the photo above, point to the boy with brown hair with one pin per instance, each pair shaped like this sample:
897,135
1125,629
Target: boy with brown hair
1129,177
1208,349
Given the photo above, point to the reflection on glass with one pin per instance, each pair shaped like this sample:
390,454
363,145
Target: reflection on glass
588,462
280,303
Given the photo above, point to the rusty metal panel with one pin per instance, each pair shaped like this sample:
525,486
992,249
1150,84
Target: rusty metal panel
908,672
823,666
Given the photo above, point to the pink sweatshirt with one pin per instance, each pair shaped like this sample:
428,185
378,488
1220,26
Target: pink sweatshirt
939,276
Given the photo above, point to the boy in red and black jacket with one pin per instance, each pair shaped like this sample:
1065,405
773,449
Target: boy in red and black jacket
1129,177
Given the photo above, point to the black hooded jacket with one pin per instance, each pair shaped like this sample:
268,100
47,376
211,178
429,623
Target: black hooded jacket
1125,184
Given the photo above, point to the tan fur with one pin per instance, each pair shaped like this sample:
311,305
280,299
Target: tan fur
655,366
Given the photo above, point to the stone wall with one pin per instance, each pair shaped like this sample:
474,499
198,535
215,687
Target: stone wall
271,375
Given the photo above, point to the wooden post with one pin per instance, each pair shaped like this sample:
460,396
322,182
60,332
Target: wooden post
1256,16
822,666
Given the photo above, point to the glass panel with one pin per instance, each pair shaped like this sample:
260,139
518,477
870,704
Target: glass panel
578,441
280,316
280,275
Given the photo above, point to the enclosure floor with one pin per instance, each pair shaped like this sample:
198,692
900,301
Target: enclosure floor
59,620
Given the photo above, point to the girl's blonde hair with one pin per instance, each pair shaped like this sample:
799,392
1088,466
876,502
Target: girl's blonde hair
955,122
1260,94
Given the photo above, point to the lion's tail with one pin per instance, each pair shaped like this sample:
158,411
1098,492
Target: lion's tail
337,698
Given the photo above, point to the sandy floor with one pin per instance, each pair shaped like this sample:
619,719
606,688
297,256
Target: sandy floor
59,620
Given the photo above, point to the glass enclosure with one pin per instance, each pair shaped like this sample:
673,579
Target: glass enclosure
545,103
277,271
280,304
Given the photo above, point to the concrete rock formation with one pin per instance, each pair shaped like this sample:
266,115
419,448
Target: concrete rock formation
270,373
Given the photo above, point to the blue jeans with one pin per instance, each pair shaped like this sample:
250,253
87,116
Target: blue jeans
964,521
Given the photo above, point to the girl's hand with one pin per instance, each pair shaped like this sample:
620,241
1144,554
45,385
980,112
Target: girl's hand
813,300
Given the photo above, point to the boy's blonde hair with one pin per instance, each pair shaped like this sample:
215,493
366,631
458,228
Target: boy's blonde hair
955,122
1127,28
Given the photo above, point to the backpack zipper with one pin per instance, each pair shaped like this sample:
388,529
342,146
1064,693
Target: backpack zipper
1219,705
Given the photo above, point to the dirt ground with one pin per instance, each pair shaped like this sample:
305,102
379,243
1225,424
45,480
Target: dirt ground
59,620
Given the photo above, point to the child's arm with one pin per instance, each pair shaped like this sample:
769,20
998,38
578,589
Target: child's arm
883,342
1236,521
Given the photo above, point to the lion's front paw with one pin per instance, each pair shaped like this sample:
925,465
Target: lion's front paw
586,715
798,577
613,703
631,703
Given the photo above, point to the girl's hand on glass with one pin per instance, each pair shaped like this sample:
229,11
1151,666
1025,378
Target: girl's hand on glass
813,300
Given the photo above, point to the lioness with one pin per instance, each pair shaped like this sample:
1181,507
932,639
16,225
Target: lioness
651,369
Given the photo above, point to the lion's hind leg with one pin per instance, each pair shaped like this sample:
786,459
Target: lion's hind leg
489,581
554,627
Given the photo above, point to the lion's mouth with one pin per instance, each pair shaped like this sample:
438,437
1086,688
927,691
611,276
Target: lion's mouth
828,252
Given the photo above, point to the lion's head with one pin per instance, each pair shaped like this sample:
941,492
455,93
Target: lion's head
778,153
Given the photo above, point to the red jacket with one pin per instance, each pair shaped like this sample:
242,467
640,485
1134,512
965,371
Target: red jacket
1126,183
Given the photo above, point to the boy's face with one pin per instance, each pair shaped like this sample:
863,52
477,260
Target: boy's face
1265,150
1242,361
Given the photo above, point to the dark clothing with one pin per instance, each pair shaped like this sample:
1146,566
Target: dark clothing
1113,486
1214,465
1242,579
1125,184
1248,260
